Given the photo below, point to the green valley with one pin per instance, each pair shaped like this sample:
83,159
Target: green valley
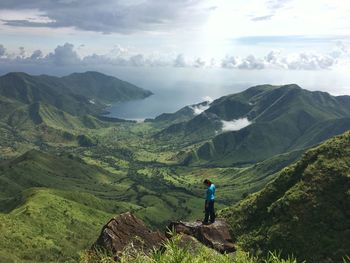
66,168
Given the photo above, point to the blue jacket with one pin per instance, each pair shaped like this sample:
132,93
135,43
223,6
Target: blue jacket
210,193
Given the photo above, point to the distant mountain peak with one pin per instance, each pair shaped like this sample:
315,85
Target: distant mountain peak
18,74
89,73
72,93
258,123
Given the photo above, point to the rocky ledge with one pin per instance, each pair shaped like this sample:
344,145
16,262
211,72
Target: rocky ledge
215,236
125,229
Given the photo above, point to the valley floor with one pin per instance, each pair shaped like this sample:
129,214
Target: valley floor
62,188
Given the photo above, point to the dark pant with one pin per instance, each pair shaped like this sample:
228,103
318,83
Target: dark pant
209,211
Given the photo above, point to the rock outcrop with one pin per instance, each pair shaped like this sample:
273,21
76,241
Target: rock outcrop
216,235
125,229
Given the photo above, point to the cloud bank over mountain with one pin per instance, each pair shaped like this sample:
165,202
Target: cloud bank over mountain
266,34
68,54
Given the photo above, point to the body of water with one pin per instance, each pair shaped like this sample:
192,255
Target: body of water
168,101
175,88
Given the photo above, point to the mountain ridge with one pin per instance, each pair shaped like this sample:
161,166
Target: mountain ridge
278,117
77,93
304,211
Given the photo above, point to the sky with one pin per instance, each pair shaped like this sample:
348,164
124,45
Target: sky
58,36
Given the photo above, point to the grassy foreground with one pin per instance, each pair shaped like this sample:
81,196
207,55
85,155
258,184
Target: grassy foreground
177,253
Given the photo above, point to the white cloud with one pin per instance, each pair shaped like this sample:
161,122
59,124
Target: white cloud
341,50
199,63
67,54
275,60
64,55
37,54
180,61
2,50
201,107
309,61
196,28
118,51
235,125
208,99
273,6
22,52
137,60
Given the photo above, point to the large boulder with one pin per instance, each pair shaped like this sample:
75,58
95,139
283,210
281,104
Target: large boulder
216,235
125,229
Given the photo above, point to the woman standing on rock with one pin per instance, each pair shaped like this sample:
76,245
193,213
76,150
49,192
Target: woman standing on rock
209,202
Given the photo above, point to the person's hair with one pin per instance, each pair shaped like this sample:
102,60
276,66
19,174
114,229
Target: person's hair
207,181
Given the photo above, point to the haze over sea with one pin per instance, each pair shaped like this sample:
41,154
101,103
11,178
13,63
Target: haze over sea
175,88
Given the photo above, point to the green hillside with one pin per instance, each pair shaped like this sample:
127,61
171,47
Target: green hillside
49,209
47,124
184,114
77,94
282,119
103,88
208,123
305,211
38,169
45,110
52,207
199,128
64,171
279,119
48,227
29,89
78,195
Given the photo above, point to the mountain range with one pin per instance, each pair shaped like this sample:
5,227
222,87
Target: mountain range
65,169
258,123
51,109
